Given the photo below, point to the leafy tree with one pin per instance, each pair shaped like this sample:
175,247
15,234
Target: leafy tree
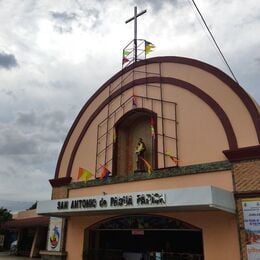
5,215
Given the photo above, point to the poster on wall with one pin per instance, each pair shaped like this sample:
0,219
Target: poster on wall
251,211
55,234
2,238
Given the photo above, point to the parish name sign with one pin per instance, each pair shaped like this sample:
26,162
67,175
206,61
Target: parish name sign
206,197
114,201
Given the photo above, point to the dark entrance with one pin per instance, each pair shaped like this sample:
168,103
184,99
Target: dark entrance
143,237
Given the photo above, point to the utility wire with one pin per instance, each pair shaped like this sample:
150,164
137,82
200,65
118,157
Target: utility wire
203,27
222,55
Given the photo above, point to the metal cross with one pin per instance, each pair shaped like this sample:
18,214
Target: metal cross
135,29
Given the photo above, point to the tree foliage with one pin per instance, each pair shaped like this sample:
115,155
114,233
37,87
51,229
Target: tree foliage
5,215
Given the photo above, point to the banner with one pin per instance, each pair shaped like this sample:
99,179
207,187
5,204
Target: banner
2,239
55,234
251,211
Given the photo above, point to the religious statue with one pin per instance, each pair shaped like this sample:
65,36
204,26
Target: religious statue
140,149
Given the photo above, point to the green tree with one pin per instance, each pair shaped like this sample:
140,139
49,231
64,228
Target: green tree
5,215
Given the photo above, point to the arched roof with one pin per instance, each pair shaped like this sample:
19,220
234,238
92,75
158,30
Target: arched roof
229,83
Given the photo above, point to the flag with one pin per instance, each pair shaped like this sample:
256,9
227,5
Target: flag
84,175
147,164
173,158
105,172
148,46
134,102
126,52
114,135
125,60
152,127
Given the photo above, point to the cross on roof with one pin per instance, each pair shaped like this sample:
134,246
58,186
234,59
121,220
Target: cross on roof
135,29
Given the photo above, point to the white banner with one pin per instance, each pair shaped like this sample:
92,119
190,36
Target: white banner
251,211
55,234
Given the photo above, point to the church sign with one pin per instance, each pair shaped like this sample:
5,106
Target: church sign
189,198
110,202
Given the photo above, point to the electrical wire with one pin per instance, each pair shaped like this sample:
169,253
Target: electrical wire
203,27
213,38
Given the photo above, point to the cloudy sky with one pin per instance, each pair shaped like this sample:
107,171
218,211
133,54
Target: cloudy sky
55,54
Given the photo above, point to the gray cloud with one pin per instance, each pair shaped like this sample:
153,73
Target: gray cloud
7,61
85,18
157,5
8,92
52,122
26,118
90,16
92,12
64,21
62,29
64,17
29,181
33,134
14,142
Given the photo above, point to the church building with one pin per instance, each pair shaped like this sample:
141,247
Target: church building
201,134
162,162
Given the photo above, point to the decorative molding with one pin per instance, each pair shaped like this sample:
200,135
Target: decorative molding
64,181
241,154
247,194
160,173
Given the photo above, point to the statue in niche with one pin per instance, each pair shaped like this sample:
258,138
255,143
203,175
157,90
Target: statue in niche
140,150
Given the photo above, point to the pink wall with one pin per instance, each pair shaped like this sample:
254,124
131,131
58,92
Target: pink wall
196,120
75,234
219,230
25,214
218,179
201,139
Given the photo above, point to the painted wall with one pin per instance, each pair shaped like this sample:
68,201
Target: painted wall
219,232
218,179
25,214
201,137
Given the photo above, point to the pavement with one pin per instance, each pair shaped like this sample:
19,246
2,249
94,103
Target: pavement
7,256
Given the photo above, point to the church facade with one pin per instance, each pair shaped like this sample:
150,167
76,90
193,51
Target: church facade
160,163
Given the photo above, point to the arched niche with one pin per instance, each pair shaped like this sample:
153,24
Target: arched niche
134,125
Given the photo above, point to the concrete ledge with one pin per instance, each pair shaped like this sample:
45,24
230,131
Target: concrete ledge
158,173
52,255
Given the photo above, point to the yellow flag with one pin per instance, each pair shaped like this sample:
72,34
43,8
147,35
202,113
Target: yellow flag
84,175
147,164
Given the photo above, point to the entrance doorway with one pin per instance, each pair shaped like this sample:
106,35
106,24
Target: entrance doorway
143,237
